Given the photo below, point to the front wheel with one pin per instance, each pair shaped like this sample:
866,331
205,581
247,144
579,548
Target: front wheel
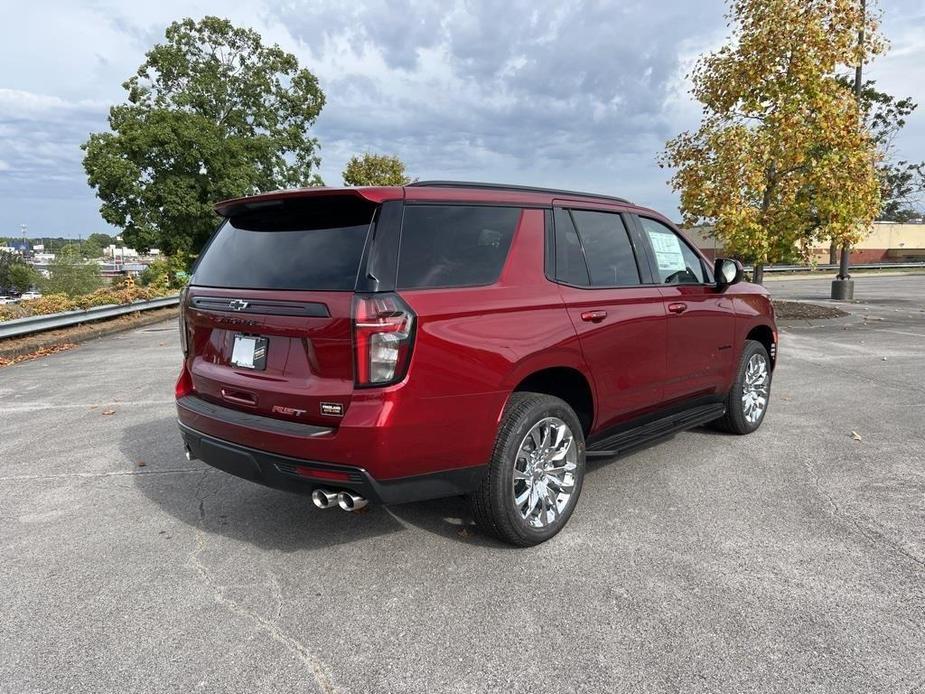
748,398
537,467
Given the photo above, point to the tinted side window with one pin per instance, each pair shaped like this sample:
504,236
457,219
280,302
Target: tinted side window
454,245
675,262
570,260
608,251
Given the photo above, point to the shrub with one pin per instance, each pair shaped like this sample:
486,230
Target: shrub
167,272
57,303
11,311
50,303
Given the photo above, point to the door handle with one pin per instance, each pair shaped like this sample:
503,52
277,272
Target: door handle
593,316
677,307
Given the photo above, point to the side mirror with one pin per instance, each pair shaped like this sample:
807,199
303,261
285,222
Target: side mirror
727,271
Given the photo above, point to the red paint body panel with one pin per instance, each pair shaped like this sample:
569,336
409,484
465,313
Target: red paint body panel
625,349
472,347
701,357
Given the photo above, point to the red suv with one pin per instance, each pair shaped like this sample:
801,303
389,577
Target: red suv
396,344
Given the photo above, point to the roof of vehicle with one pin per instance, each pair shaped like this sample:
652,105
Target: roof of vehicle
424,191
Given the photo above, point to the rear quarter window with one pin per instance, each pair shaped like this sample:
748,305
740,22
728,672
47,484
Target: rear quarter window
454,245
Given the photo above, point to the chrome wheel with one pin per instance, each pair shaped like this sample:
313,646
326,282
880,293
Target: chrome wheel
544,472
755,388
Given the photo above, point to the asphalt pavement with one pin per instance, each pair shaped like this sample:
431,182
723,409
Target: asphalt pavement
791,560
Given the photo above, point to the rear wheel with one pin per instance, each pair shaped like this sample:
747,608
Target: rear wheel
748,398
537,467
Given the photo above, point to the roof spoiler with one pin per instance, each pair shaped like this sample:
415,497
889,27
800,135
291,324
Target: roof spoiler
236,206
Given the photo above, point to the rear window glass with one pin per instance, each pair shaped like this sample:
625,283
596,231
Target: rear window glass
454,245
312,244
611,262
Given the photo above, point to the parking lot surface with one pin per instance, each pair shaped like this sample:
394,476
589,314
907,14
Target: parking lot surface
789,560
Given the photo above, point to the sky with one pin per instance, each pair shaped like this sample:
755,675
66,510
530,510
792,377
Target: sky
579,95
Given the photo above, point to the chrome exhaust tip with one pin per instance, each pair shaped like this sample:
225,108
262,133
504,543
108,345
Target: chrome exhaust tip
322,498
350,501
189,452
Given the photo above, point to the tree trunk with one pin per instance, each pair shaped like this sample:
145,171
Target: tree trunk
758,273
833,253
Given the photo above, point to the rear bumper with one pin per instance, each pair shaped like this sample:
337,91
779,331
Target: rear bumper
303,476
388,432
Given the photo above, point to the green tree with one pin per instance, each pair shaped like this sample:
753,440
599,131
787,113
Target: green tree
70,250
12,268
91,249
212,113
69,274
166,272
101,240
23,277
782,158
375,170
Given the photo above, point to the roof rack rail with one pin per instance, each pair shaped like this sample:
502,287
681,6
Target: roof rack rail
503,186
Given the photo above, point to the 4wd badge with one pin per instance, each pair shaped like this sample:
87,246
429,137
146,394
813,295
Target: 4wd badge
332,408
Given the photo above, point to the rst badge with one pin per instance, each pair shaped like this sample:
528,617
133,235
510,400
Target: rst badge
289,411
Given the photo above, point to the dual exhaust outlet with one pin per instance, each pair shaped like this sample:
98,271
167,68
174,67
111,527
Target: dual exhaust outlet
348,501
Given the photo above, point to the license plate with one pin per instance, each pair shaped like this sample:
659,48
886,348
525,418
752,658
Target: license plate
249,352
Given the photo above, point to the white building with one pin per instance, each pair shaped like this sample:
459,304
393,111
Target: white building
119,253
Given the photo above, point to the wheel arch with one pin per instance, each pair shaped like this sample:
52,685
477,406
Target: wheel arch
765,335
567,383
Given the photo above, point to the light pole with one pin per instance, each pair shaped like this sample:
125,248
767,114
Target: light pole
843,285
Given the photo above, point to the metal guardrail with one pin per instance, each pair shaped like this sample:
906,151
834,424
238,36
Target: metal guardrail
834,268
35,324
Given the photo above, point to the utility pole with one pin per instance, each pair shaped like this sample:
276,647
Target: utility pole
843,285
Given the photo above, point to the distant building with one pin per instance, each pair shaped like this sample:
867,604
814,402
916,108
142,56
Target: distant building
118,253
887,242
16,248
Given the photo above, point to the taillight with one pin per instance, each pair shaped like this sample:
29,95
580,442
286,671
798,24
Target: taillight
383,331
184,385
184,341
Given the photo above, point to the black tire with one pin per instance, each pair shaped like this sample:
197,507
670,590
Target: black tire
735,421
493,505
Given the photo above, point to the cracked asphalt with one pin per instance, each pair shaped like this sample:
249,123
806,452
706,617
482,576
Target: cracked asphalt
789,560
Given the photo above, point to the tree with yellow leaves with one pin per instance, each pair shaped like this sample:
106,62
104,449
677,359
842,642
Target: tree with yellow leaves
375,170
782,158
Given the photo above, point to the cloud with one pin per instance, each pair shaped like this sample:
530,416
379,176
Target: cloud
576,94
40,143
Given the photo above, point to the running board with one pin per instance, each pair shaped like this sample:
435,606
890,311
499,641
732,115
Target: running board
632,437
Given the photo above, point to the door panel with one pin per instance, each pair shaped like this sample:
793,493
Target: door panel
700,341
622,329
624,348
700,319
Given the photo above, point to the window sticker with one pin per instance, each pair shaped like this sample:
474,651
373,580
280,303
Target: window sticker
668,253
